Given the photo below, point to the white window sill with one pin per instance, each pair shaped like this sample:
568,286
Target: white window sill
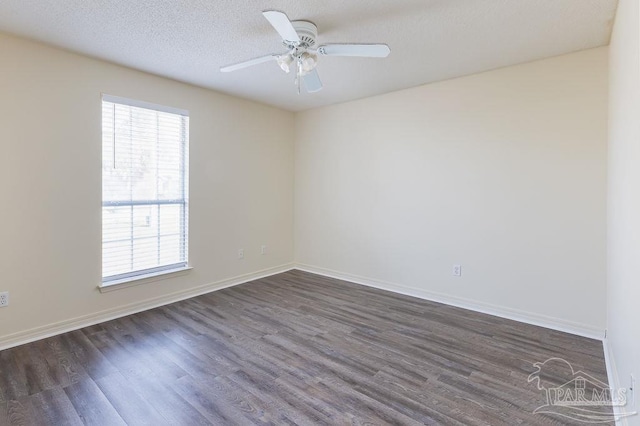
143,279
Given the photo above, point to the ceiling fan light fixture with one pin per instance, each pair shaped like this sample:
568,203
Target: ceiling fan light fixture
285,61
309,62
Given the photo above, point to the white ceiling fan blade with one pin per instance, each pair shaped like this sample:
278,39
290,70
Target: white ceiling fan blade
312,81
250,62
365,50
283,26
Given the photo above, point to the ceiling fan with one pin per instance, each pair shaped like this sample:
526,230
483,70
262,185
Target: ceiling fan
299,37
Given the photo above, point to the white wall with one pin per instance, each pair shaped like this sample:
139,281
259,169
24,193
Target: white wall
502,172
623,289
241,187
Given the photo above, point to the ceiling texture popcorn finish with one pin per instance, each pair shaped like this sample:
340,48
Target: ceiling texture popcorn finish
430,40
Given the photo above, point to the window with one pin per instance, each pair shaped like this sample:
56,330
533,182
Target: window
144,189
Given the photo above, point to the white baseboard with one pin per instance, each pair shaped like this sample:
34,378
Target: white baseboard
553,323
614,383
42,332
612,376
49,330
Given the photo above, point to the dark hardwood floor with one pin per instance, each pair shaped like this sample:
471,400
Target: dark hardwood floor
295,348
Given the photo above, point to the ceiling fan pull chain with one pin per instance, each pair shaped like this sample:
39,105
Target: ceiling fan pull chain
299,73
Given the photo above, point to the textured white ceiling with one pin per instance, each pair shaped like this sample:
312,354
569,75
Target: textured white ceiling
430,40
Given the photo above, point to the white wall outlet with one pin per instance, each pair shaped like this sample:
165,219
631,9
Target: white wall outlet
457,270
4,299
240,253
263,250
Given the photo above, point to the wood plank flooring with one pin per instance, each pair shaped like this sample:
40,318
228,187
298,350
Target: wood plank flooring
295,348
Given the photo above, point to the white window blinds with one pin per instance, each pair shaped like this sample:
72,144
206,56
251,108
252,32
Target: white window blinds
144,188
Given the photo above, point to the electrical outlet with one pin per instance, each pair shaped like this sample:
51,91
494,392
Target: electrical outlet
457,270
263,250
240,253
4,299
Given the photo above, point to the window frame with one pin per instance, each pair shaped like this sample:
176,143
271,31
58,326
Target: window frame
127,279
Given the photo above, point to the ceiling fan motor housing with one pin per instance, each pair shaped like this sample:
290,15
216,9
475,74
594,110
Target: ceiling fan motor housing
308,33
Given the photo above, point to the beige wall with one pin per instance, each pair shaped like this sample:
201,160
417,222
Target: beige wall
623,289
502,172
241,186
